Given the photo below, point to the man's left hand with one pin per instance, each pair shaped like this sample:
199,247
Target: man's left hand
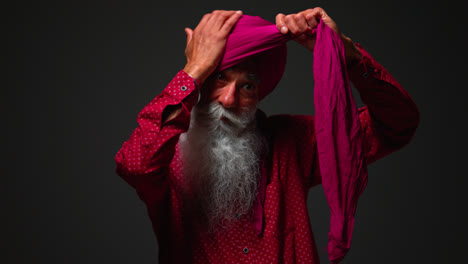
300,26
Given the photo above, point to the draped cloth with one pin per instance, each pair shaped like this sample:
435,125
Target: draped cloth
337,124
339,140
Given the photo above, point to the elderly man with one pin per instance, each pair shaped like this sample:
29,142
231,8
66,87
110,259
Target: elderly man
222,182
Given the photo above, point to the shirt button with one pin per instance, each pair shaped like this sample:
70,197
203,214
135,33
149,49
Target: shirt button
246,250
365,75
183,88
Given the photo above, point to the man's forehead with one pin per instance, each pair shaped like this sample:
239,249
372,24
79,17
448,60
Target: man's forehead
249,66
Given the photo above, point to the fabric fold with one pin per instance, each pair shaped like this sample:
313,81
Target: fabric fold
337,125
339,139
254,36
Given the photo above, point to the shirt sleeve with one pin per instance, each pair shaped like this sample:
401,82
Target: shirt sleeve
143,161
389,118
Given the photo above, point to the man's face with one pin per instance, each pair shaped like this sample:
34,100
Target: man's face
235,89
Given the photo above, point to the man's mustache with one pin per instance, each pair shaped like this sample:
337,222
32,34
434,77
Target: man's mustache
218,112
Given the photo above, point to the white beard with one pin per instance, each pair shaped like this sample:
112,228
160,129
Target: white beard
221,162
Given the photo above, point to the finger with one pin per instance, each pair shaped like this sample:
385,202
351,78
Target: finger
318,13
203,21
312,21
189,33
230,22
315,14
302,23
219,18
280,24
292,26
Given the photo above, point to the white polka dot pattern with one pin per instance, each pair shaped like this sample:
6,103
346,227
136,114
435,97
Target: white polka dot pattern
150,162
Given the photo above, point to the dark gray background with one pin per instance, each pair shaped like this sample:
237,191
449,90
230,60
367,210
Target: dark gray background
78,73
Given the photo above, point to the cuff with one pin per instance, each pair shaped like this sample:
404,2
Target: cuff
197,82
366,70
182,86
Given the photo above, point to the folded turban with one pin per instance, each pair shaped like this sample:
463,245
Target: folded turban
337,124
255,36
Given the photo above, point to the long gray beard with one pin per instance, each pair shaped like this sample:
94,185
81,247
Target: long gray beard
221,162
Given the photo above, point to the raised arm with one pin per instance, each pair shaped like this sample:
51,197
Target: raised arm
390,117
143,161
146,155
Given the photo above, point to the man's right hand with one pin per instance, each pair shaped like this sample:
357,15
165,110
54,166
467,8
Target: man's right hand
205,44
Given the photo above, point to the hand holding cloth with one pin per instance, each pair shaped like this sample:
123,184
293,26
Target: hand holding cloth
337,125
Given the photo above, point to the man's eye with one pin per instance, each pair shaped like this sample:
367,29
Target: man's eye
248,87
220,77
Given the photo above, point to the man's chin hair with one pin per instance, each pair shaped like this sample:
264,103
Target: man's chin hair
221,163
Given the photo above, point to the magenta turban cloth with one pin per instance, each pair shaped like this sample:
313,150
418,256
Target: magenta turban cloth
254,35
337,124
340,142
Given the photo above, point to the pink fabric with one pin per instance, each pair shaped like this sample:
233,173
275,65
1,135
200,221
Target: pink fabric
253,35
149,161
339,138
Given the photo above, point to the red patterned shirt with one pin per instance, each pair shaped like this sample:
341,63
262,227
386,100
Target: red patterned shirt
150,162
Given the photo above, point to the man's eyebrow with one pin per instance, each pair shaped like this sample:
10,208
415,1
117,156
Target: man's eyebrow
253,77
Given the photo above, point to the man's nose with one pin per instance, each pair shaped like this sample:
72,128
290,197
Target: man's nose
228,96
